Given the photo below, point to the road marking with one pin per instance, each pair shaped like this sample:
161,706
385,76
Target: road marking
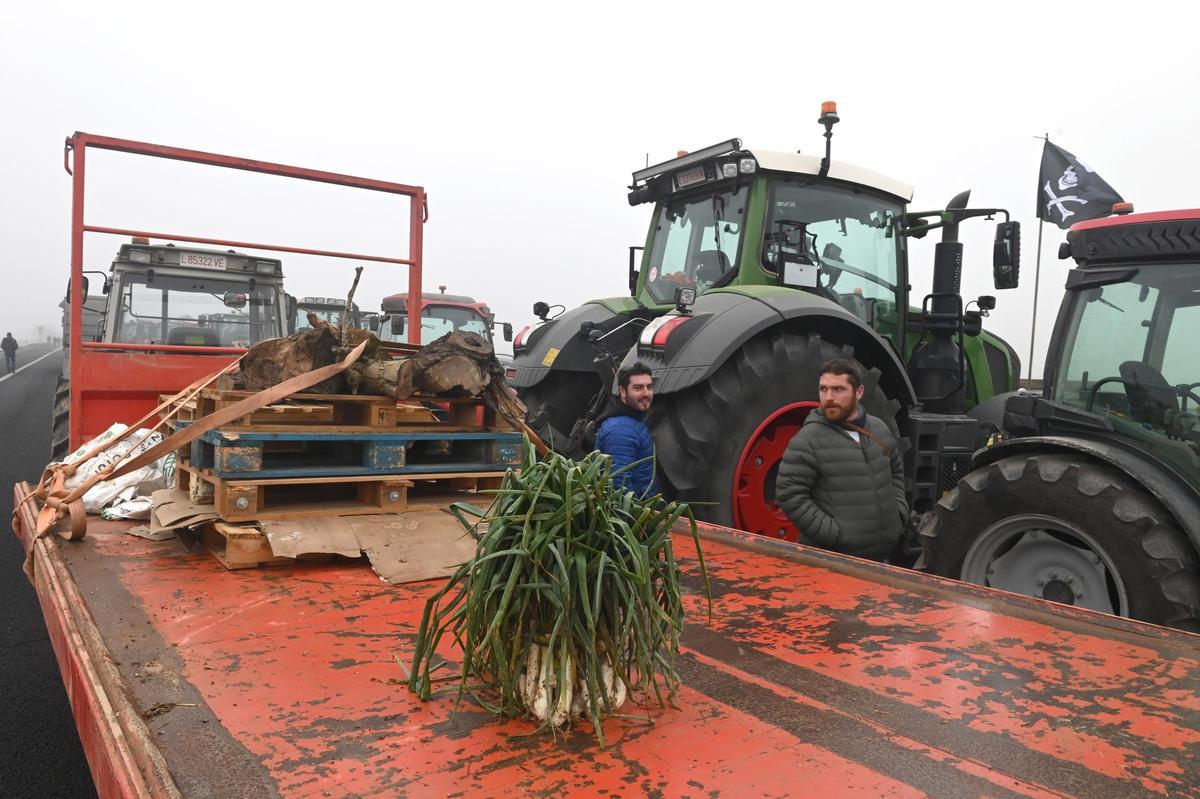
31,363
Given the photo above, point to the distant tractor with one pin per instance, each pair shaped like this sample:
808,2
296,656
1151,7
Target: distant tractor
757,267
172,297
441,313
1094,498
327,309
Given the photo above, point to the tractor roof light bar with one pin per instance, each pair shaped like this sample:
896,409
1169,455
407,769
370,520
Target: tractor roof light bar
686,160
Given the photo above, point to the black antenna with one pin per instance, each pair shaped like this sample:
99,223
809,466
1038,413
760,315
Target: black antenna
828,118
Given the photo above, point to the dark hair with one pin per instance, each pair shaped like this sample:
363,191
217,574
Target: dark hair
841,366
627,372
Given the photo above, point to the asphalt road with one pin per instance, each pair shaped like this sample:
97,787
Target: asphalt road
40,755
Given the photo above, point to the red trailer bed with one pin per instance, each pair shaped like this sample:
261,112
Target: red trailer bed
819,675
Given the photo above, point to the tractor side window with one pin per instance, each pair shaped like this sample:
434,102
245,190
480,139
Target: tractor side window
850,236
695,243
1180,366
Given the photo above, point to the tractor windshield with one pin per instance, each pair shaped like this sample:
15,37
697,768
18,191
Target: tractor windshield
437,321
195,311
851,237
1129,353
695,243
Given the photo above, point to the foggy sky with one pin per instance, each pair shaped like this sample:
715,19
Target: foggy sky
524,122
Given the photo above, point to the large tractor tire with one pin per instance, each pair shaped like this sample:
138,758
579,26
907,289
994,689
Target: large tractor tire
719,443
553,406
60,421
1068,530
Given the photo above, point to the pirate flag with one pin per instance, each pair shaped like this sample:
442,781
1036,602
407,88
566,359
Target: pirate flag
1070,191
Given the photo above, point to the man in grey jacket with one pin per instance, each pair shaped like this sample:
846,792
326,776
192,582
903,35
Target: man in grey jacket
841,481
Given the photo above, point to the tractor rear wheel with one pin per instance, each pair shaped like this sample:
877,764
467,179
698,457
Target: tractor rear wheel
721,441
553,405
1077,532
60,421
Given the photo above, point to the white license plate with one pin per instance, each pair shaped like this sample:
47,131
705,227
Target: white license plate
202,260
689,178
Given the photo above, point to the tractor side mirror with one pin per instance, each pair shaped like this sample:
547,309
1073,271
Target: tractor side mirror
1006,256
85,287
986,302
234,299
541,310
398,324
508,334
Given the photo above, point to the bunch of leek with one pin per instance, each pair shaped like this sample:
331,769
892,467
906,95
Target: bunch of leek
571,601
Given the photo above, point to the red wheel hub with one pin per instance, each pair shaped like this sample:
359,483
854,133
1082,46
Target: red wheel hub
754,508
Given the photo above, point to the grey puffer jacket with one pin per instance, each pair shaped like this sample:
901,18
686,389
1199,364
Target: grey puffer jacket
844,495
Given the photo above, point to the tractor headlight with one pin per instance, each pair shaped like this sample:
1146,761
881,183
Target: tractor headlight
729,170
747,165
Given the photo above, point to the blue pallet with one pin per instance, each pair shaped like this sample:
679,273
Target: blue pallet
245,455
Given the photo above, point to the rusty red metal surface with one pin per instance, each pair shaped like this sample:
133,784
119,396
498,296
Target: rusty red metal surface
818,674
108,387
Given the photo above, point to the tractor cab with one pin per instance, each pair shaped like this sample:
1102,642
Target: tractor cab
1123,346
163,294
441,314
327,309
731,216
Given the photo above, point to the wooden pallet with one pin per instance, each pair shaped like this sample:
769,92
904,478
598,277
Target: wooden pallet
297,498
360,411
326,451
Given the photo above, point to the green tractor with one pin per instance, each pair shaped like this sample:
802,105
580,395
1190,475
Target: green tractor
758,266
1093,498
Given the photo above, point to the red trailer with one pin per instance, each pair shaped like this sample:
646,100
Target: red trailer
819,675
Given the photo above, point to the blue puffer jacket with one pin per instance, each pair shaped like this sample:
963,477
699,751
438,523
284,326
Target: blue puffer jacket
625,437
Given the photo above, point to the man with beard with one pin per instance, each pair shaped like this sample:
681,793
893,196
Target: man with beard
841,481
623,434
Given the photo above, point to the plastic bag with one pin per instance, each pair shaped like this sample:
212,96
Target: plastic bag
124,489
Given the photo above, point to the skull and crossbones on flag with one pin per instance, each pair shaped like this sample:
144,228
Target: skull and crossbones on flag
1070,191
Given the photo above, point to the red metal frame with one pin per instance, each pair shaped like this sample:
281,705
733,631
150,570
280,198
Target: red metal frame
113,381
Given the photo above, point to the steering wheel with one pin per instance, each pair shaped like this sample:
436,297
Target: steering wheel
1185,392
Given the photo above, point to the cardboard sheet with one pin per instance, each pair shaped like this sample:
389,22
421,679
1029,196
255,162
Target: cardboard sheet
402,548
318,534
408,547
172,510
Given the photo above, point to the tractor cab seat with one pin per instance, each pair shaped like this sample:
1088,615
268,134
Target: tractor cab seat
710,266
1152,400
193,336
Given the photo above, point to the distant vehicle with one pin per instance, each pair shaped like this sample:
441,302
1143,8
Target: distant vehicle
328,309
441,313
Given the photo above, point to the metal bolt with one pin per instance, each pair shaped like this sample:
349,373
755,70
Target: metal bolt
1069,579
758,461
780,532
1053,575
1033,533
991,570
1078,594
393,496
1096,559
242,503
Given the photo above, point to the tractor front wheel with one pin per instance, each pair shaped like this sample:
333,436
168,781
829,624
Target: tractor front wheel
1076,532
719,443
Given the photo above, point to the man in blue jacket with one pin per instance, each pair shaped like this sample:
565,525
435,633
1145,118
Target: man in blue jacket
623,434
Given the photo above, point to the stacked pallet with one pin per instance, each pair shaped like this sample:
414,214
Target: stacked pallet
339,455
